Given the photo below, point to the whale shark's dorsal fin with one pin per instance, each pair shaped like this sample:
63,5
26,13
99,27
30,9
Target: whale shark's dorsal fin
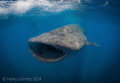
91,43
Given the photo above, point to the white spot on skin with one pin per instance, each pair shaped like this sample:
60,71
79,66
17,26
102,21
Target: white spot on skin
105,4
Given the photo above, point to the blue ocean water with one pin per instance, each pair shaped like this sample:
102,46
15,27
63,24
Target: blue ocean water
91,64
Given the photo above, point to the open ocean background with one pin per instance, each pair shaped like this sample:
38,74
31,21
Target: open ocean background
24,19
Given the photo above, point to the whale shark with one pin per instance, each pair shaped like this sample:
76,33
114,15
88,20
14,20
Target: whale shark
55,45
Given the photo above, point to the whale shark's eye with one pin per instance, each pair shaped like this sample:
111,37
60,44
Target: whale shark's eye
46,52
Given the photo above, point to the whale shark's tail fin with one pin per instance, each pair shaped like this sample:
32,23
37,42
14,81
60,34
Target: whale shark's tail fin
92,43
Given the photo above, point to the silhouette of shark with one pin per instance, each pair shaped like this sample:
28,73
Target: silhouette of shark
33,25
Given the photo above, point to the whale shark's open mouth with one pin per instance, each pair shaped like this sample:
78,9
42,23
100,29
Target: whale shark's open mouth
46,53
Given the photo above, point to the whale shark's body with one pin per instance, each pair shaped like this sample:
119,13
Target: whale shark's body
55,45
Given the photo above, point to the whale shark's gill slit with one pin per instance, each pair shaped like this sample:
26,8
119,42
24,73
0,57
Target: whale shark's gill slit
46,52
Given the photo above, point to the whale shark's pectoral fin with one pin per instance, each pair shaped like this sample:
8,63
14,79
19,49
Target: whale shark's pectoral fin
91,43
